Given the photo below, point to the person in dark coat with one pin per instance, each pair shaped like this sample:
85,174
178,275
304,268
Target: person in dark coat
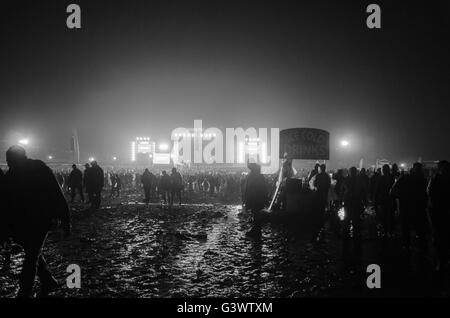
439,194
355,199
322,184
411,192
255,196
384,201
35,204
147,180
164,186
4,237
95,183
313,172
176,185
87,181
75,182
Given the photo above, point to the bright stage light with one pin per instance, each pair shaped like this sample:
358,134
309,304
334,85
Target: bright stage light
341,214
345,143
402,165
50,157
24,141
133,151
91,159
114,158
163,147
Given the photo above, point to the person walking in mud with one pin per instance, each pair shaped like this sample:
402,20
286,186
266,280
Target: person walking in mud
322,184
355,200
411,192
439,194
176,185
35,203
147,180
96,182
385,204
116,185
87,182
164,186
4,237
255,197
75,182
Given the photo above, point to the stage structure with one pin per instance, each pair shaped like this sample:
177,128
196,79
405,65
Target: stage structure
142,150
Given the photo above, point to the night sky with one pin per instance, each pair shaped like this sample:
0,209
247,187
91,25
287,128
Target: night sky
146,67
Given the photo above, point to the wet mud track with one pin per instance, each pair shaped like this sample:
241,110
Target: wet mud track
129,249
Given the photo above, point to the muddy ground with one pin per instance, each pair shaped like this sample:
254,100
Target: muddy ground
129,249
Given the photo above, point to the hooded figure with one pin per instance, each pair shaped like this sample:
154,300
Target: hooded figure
35,203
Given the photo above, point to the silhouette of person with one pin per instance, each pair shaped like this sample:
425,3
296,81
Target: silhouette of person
411,192
117,185
338,188
75,182
322,184
255,196
164,186
35,204
176,185
4,237
374,180
384,200
147,180
365,181
87,182
286,173
439,193
313,172
355,199
96,182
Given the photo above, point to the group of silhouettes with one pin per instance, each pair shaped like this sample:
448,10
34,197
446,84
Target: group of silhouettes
407,200
33,204
167,186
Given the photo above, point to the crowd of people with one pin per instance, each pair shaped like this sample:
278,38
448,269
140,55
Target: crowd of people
157,185
36,200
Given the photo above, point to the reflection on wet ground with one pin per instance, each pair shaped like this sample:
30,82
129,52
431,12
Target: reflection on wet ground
200,250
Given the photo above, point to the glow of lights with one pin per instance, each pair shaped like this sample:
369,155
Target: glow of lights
241,153
133,151
402,165
114,158
163,147
50,157
341,214
345,143
24,141
91,159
